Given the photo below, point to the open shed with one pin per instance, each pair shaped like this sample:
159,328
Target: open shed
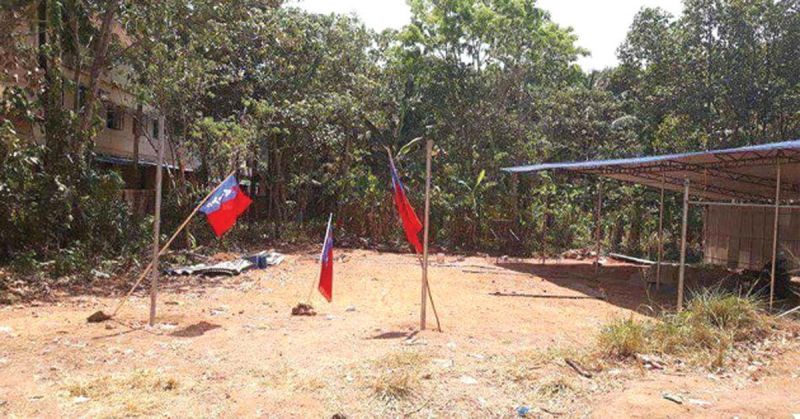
748,193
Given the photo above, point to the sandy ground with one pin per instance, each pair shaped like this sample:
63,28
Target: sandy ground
227,347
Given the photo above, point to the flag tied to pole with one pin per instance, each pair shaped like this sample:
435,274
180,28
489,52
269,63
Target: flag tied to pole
411,223
225,205
326,262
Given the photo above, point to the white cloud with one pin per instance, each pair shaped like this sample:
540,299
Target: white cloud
600,25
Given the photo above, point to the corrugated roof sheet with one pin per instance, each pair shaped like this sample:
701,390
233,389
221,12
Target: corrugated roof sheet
744,173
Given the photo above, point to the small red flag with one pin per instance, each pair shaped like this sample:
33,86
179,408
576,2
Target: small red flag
411,223
225,205
326,262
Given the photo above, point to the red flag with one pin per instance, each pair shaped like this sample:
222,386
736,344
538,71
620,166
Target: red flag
411,223
326,262
225,205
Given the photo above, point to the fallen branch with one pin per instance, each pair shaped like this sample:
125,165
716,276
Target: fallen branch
579,369
786,313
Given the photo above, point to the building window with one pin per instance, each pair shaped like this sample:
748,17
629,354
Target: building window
156,129
114,117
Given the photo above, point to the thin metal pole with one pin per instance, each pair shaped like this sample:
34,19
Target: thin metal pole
424,295
157,222
775,234
743,204
660,235
682,271
598,226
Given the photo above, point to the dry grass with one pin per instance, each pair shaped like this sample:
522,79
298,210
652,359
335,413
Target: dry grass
399,375
622,338
140,392
707,332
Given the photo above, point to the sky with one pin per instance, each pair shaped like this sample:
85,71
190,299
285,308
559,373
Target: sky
600,25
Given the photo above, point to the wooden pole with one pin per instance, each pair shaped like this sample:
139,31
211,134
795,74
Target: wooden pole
428,151
157,222
167,244
660,235
598,226
775,234
682,271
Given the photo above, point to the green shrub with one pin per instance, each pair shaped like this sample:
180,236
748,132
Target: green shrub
623,338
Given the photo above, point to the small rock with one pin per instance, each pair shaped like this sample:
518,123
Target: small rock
330,317
451,345
100,274
522,411
443,362
479,357
80,399
350,308
701,403
673,398
6,330
466,379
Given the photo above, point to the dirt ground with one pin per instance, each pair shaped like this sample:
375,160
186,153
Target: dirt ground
227,347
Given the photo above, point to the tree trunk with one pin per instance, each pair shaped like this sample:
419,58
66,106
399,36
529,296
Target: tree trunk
99,61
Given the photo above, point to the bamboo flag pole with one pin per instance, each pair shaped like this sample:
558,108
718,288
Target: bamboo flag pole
421,262
426,230
168,243
157,222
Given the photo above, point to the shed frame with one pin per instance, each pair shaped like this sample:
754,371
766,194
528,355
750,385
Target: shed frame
765,175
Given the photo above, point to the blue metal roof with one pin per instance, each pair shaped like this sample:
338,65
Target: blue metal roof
634,161
743,173
105,158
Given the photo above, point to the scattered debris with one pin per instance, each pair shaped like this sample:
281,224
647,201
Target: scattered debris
466,379
579,254
6,330
673,398
551,411
651,362
330,317
443,362
413,341
578,368
303,309
522,411
230,268
263,260
80,399
698,402
100,274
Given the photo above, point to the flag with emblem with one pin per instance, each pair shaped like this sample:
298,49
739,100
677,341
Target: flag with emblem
225,205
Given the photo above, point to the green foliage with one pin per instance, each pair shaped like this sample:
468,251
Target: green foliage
308,104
